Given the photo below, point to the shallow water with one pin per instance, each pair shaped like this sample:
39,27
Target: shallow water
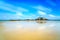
29,30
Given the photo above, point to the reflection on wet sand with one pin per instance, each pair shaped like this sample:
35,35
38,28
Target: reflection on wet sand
40,21
22,30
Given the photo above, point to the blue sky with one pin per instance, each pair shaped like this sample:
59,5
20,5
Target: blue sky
29,9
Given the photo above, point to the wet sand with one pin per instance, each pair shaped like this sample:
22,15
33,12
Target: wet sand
26,33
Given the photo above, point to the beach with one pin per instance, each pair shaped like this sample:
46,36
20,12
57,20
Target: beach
28,30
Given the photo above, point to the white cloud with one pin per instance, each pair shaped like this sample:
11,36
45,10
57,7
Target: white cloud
42,8
41,13
11,8
50,15
17,10
19,14
6,6
9,16
20,10
30,16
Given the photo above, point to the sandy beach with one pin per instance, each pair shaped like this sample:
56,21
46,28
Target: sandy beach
22,31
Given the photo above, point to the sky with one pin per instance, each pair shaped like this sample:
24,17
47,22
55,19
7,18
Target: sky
29,9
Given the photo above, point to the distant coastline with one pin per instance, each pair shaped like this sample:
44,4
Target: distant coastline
37,19
29,20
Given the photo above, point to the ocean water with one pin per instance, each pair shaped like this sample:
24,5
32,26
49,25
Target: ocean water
29,30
